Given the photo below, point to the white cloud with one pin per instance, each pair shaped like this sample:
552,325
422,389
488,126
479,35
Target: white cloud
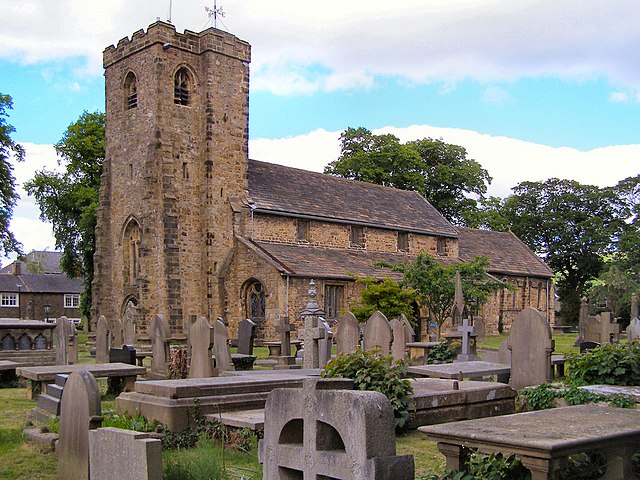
358,40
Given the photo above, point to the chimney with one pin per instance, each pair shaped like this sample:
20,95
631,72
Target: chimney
16,268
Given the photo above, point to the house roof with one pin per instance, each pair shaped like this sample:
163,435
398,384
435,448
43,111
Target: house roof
316,262
507,253
37,262
34,283
290,191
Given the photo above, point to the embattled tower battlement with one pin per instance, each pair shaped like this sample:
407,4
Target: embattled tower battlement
164,33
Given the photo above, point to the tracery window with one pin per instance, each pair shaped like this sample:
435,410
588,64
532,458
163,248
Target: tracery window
255,302
131,91
182,87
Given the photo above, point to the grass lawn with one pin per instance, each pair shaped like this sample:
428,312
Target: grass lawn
563,342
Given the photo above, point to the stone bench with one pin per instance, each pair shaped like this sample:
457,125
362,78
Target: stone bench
121,375
544,439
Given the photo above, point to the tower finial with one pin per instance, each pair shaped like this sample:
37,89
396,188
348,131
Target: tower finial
215,13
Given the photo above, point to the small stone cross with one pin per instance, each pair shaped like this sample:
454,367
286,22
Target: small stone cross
466,329
285,329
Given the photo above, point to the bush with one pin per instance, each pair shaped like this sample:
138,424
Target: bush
543,397
441,353
609,364
482,466
373,371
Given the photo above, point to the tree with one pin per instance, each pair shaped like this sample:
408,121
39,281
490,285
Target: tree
572,226
440,172
615,286
69,200
8,194
434,283
387,296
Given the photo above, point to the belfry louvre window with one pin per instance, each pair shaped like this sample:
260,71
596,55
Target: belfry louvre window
182,87
131,91
357,236
333,295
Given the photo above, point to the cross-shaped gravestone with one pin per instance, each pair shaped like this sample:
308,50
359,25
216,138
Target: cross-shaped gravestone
285,329
467,331
312,331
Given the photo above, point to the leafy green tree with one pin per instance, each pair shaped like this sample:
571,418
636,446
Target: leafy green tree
572,226
8,195
387,296
440,172
615,285
69,200
434,284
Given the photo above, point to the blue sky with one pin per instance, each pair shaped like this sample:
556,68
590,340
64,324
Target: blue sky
533,89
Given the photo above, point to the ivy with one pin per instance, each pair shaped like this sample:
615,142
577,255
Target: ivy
609,364
441,353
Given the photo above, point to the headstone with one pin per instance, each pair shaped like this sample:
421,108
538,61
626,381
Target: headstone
504,354
80,412
306,435
409,332
481,328
609,328
467,330
285,360
633,331
582,317
201,342
399,345
129,323
312,331
63,332
459,307
126,354
116,453
634,306
377,333
325,344
531,347
73,344
221,347
347,334
102,340
591,329
246,336
159,333
584,346
118,339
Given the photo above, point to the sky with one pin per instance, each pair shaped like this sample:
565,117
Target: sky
533,89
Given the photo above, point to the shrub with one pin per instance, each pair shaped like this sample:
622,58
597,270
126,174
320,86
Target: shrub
543,397
482,466
373,371
609,364
441,353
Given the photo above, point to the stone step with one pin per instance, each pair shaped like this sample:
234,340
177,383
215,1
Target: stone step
41,416
253,419
54,391
61,379
49,404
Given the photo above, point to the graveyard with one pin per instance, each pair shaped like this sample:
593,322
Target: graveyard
256,417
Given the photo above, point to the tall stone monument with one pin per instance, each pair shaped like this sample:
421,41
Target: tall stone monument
312,331
102,340
63,332
159,334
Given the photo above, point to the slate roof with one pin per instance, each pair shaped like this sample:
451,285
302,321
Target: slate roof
291,191
35,283
507,253
317,262
43,261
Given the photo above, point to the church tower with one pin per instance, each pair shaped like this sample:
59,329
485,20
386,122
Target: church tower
177,113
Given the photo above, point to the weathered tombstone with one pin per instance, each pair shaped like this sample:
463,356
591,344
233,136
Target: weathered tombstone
79,412
347,333
73,344
531,346
306,435
582,317
467,330
399,345
481,328
159,333
102,340
129,321
504,354
591,329
634,306
285,360
312,331
126,354
116,453
246,336
201,342
633,331
377,333
325,344
609,328
409,332
458,310
63,332
221,347
118,339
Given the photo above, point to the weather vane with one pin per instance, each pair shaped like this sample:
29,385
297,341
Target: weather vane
215,13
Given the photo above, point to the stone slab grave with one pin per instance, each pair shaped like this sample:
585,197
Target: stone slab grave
118,454
102,340
80,412
306,435
460,370
27,341
531,346
347,333
172,401
377,333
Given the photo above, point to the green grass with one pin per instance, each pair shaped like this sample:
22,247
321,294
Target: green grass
563,342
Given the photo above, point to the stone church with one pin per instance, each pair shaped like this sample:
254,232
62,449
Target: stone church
189,226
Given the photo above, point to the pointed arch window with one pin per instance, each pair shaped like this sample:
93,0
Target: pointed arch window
182,86
131,252
255,302
130,91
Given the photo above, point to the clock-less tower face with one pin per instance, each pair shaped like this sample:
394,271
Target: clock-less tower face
176,158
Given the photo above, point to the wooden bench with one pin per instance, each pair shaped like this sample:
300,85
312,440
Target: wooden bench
459,370
544,439
121,376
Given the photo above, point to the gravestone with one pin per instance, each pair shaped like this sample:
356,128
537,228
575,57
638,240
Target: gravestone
399,345
504,354
80,412
306,435
246,336
129,324
531,345
159,333
63,332
221,347
468,331
201,343
582,317
325,344
634,306
409,332
102,340
126,354
377,333
118,339
347,334
73,344
591,329
609,328
481,328
458,310
285,359
118,454
312,331
633,331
